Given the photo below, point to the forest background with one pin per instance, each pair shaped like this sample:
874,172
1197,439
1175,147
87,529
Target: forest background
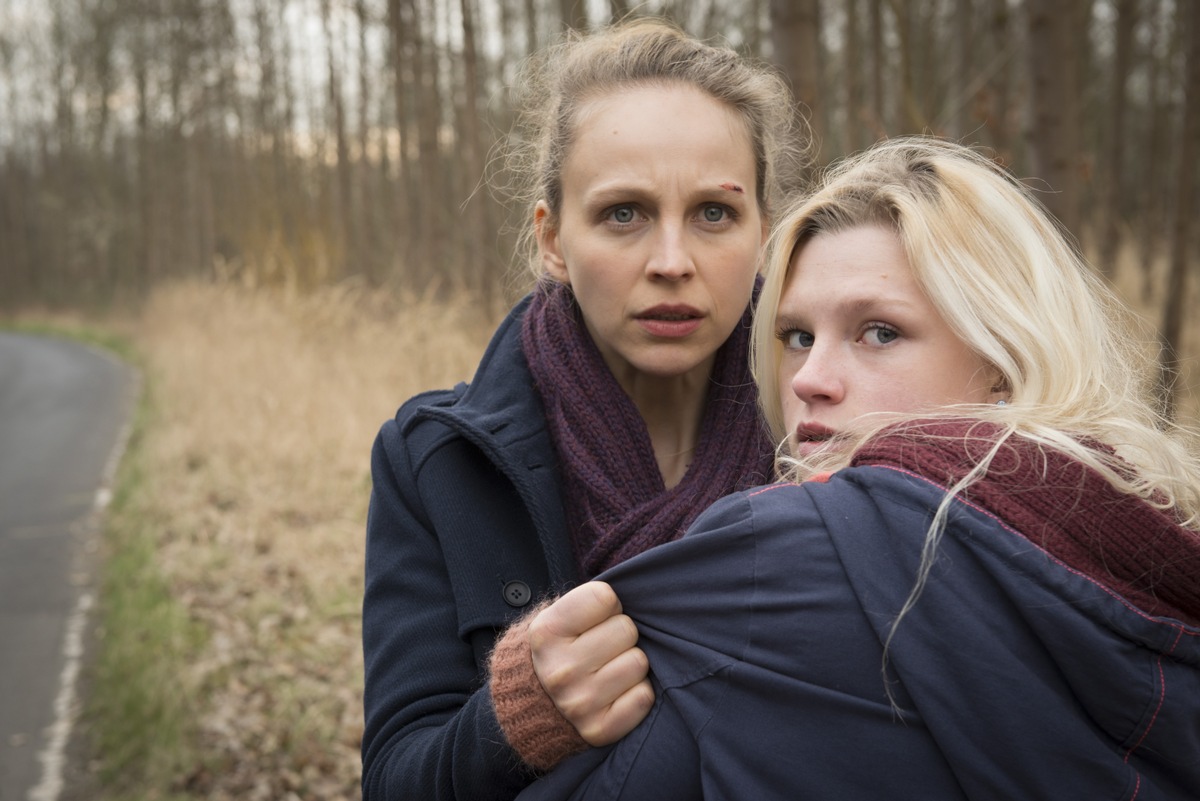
283,211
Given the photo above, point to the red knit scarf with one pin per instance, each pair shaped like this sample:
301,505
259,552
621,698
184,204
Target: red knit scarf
1061,505
617,504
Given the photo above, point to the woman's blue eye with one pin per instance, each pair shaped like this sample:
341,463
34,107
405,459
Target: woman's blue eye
883,334
623,214
797,340
714,214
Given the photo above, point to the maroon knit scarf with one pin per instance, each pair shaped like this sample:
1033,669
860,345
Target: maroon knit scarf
1061,505
616,502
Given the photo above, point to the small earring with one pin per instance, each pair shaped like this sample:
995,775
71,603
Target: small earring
1002,402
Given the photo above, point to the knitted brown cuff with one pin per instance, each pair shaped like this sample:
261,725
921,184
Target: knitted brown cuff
535,728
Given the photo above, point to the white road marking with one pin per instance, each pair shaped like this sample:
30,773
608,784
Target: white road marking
53,756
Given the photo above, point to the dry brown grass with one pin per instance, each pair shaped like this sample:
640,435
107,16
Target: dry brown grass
258,455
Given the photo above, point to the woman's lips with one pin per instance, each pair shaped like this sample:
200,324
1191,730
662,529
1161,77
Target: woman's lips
811,438
670,321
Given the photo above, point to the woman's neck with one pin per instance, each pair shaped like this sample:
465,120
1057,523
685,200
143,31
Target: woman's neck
672,409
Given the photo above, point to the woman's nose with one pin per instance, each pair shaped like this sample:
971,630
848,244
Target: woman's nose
671,258
818,379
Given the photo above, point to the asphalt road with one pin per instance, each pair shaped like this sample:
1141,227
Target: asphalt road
63,417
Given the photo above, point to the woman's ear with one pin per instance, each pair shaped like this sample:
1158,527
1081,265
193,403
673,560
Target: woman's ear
549,246
1000,392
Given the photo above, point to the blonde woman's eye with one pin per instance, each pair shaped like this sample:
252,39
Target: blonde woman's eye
714,214
795,339
879,334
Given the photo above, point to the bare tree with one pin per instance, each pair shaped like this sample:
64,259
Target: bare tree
905,111
995,105
1123,26
532,40
1160,51
796,48
852,78
1181,258
878,56
368,200
1053,135
573,14
146,179
481,246
962,78
417,112
341,191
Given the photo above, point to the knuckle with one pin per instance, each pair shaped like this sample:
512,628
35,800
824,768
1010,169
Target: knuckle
604,596
580,713
640,660
593,732
644,695
628,629
557,680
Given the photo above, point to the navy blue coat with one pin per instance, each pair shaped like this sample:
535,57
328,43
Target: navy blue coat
1013,677
466,528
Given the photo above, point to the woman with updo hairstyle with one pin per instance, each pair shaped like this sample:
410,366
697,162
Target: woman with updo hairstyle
980,578
612,406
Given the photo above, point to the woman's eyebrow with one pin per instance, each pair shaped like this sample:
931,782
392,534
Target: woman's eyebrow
611,193
858,305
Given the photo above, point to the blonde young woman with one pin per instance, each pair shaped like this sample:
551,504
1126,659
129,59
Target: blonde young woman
613,406
982,579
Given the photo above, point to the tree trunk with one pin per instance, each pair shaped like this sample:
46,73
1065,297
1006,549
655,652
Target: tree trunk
904,114
146,224
753,29
1189,150
417,110
852,77
958,115
532,40
999,82
1151,187
344,244
878,98
796,45
1111,213
366,177
1053,138
480,259
573,14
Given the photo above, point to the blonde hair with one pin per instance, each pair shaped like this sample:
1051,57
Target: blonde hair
1076,363
557,84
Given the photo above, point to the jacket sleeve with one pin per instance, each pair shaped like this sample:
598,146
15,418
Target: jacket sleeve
430,730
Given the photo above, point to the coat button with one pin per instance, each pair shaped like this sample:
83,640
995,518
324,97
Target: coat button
516,593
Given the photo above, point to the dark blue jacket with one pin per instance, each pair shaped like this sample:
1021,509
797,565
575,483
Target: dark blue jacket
465,529
1014,676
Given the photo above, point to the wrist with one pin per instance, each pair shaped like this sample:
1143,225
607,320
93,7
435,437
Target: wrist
530,721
